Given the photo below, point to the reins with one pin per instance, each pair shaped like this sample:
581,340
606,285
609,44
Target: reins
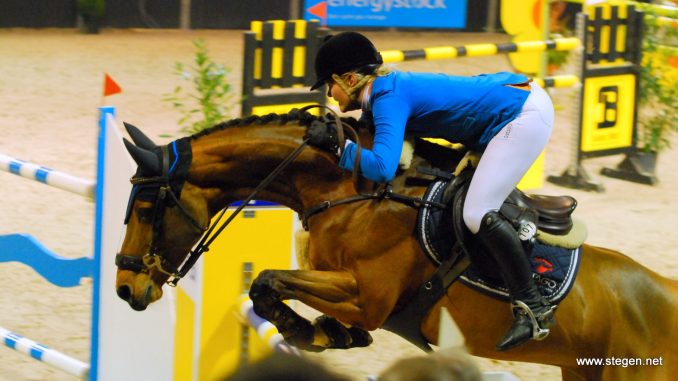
205,242
341,128
210,235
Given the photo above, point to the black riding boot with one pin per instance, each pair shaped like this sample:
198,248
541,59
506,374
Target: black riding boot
533,314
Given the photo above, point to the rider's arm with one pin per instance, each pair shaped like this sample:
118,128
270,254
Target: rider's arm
390,114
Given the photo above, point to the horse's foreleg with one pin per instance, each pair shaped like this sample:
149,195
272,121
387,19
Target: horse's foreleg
317,289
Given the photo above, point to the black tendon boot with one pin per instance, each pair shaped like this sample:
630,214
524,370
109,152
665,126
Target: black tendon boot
533,314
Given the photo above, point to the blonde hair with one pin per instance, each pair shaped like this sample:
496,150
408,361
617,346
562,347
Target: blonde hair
362,80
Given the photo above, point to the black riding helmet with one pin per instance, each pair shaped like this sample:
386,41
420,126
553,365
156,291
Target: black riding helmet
344,52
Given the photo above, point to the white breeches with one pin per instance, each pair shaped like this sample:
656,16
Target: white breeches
508,157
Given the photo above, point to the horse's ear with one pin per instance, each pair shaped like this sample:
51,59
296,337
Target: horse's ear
147,161
138,137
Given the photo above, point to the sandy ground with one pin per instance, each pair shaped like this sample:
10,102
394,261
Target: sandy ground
50,86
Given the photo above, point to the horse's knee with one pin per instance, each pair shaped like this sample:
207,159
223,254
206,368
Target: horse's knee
262,285
262,294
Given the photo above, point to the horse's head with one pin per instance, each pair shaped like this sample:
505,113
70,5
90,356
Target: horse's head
178,188
166,215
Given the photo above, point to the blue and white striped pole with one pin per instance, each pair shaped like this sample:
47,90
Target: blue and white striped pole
44,354
47,176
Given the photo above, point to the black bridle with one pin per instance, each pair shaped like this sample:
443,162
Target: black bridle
167,195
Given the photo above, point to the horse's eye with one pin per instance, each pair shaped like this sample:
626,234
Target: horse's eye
145,214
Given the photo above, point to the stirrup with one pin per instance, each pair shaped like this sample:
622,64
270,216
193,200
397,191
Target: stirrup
538,332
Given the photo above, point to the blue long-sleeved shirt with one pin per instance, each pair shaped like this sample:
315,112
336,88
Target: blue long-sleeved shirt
467,110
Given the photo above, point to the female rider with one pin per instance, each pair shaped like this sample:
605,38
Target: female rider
504,116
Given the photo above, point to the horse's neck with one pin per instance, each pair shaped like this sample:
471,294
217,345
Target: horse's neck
229,164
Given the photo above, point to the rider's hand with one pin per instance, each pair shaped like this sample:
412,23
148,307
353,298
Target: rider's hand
470,160
323,136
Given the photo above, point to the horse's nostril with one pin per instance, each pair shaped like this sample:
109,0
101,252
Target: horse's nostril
124,292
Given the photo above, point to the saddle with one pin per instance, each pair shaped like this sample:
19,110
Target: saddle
527,213
554,213
555,268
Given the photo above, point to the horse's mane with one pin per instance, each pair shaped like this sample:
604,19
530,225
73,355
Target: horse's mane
304,118
434,154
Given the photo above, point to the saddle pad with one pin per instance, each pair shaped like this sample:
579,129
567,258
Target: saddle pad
434,231
554,271
554,268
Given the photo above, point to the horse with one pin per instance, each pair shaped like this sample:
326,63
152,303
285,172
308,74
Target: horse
365,263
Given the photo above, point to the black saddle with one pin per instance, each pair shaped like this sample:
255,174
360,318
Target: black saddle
551,214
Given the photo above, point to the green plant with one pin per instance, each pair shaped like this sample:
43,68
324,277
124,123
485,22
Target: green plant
658,86
557,58
92,13
207,102
92,8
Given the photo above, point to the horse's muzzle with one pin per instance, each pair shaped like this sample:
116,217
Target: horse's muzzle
138,304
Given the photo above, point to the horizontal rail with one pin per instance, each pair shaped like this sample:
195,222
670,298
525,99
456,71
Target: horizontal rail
45,354
475,50
565,80
47,176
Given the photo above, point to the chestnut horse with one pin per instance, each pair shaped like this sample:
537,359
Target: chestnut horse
365,260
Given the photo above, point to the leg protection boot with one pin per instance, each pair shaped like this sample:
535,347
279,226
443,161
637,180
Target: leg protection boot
533,314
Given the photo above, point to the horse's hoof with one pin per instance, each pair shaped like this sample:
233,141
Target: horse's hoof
300,335
340,336
336,332
360,337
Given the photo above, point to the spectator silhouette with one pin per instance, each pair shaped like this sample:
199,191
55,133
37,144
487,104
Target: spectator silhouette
448,366
283,367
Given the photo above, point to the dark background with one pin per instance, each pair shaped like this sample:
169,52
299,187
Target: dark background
205,14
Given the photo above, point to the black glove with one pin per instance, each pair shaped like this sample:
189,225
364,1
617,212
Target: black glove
323,136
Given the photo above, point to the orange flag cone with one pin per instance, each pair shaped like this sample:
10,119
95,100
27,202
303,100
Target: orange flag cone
110,87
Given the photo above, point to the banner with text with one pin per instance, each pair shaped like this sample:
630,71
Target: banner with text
388,13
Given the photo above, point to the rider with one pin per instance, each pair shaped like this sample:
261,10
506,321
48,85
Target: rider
504,116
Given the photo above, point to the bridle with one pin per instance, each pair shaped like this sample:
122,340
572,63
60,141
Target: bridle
167,196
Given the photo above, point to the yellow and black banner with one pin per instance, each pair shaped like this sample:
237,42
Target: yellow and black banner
610,80
608,112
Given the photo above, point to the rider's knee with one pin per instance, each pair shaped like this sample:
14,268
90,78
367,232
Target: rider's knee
473,216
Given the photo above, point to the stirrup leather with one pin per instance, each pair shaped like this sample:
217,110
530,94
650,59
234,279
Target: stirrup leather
538,332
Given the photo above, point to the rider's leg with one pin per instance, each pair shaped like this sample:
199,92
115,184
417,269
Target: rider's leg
505,161
533,314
